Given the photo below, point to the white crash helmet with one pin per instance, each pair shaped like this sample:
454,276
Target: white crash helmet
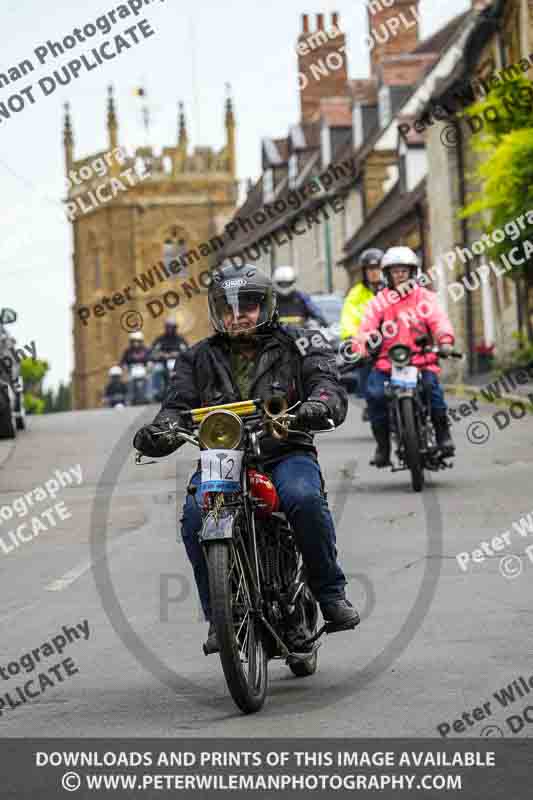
136,336
284,279
400,256
116,370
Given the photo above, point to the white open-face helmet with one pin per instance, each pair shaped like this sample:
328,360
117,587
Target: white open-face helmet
400,257
115,371
137,336
284,279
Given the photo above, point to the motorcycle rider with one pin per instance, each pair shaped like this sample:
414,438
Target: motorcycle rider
294,307
252,356
115,391
356,302
137,352
401,313
169,344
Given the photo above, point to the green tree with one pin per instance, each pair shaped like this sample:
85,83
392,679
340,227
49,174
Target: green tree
60,401
33,372
504,173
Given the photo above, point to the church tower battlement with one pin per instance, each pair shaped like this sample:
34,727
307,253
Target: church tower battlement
130,213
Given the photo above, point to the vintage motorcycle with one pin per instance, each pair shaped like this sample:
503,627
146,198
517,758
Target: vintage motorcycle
262,607
409,408
138,384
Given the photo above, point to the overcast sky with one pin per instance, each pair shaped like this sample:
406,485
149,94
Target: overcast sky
197,48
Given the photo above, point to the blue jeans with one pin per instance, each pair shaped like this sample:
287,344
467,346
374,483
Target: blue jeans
298,482
364,373
375,395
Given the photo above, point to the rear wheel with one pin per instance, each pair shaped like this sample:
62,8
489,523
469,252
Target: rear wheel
243,656
413,455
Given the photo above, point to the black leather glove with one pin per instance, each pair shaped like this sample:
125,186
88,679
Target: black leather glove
313,415
151,440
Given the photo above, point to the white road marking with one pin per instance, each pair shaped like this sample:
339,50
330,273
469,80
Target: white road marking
69,577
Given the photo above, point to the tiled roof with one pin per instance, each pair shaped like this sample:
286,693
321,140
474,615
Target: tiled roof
438,40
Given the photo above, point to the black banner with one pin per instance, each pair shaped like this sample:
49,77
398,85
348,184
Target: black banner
209,768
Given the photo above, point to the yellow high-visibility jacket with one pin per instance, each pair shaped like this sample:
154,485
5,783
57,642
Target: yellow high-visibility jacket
353,309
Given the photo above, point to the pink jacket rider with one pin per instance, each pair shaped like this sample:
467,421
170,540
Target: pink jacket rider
399,320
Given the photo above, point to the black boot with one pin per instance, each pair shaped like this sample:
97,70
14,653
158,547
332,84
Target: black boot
382,437
340,613
441,424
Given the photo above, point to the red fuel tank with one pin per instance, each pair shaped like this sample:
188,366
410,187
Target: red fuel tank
262,488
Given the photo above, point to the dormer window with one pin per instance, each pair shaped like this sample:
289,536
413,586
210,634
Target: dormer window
384,105
268,186
293,170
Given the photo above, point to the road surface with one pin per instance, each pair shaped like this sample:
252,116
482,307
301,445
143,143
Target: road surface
435,643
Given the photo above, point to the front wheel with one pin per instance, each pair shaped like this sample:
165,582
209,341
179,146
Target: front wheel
243,657
413,455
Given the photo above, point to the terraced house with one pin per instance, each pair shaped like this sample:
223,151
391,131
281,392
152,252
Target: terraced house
408,178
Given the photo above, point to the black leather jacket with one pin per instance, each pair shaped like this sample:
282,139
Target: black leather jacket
295,362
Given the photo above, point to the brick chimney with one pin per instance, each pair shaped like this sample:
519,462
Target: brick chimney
322,64
392,29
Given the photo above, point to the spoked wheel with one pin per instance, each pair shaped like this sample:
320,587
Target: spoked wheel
243,657
413,455
307,608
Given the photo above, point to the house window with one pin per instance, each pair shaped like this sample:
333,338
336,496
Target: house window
357,125
268,186
385,110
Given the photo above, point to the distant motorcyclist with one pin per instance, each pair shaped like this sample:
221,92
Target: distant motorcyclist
167,346
115,391
137,352
170,341
248,356
362,293
294,307
357,301
406,310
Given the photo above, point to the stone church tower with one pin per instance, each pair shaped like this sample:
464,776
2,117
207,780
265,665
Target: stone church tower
145,233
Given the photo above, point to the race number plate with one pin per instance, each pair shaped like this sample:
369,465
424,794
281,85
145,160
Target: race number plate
221,470
404,376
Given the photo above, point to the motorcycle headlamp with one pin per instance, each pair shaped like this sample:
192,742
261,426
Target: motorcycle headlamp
221,430
400,354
